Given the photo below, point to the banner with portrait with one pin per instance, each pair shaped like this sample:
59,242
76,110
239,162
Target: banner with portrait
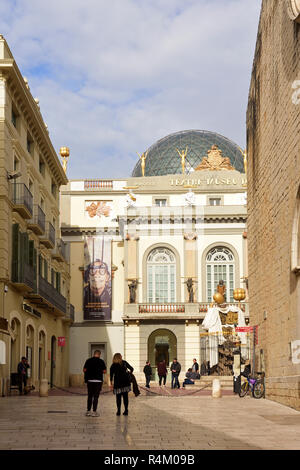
97,278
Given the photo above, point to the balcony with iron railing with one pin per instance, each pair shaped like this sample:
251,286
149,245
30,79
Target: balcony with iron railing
23,276
61,251
22,200
70,314
38,221
51,295
48,239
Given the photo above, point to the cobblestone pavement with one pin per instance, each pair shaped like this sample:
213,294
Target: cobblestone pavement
169,422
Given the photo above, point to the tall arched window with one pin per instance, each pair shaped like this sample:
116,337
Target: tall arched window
220,265
161,276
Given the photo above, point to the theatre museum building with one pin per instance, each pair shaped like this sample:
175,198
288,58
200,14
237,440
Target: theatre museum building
148,252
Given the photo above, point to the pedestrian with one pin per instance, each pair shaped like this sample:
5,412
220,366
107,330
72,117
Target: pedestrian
23,367
120,381
93,369
195,370
148,373
162,372
188,378
175,369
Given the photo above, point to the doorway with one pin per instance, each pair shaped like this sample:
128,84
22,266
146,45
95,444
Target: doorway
162,345
53,360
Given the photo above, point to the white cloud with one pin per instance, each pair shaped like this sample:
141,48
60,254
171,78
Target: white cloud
113,77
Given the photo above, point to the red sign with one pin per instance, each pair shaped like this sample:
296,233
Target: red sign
249,329
244,329
61,341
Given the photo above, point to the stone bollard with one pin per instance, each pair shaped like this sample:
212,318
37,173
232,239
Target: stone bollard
43,387
216,389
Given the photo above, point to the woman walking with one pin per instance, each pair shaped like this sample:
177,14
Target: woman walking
120,381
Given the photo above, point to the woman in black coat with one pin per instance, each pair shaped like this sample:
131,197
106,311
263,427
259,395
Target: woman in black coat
120,381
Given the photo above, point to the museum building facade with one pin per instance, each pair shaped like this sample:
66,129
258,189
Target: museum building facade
148,251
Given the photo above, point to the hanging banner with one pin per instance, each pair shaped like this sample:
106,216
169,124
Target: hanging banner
97,278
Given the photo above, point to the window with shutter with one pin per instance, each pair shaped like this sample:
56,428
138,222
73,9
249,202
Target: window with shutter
41,265
15,252
45,270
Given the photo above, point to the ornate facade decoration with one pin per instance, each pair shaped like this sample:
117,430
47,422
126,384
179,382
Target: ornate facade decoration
215,161
98,208
190,236
293,7
190,198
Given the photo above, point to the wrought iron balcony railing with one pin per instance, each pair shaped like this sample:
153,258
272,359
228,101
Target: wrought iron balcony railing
22,200
61,251
23,276
38,222
49,238
51,295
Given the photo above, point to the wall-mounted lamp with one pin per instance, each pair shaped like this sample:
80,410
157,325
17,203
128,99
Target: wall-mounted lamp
14,175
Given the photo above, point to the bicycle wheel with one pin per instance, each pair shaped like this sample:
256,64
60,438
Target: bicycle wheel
244,389
258,390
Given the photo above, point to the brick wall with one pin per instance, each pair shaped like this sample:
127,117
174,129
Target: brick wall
273,131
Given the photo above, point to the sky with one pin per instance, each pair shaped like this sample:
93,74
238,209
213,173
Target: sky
113,77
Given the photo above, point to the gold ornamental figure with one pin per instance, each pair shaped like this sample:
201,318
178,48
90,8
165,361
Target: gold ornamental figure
245,161
64,153
183,155
143,161
244,153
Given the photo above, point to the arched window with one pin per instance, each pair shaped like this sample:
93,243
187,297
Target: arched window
161,276
220,265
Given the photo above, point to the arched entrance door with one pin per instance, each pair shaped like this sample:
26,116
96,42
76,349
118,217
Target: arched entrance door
42,349
162,345
15,350
53,359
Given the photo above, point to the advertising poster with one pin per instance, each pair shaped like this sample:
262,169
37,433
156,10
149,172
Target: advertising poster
97,278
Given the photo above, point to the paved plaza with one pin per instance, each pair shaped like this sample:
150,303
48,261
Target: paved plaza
169,422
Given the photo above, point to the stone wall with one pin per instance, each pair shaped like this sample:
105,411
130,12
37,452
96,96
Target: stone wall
273,129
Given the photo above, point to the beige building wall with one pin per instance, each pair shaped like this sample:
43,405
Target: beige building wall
273,127
30,176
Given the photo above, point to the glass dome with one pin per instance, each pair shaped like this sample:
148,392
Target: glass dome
163,158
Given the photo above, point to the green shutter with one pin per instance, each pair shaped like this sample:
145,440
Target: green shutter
41,265
23,254
26,247
30,252
34,256
15,252
52,277
46,270
58,282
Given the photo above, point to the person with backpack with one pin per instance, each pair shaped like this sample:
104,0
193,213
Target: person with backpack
120,381
93,369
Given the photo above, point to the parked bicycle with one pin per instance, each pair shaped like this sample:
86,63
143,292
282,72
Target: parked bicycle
255,386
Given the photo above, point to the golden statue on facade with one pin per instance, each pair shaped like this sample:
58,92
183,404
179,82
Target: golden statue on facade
64,153
245,161
143,161
182,155
215,160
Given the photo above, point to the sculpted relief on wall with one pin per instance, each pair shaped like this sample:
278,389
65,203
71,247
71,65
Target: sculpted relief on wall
293,7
